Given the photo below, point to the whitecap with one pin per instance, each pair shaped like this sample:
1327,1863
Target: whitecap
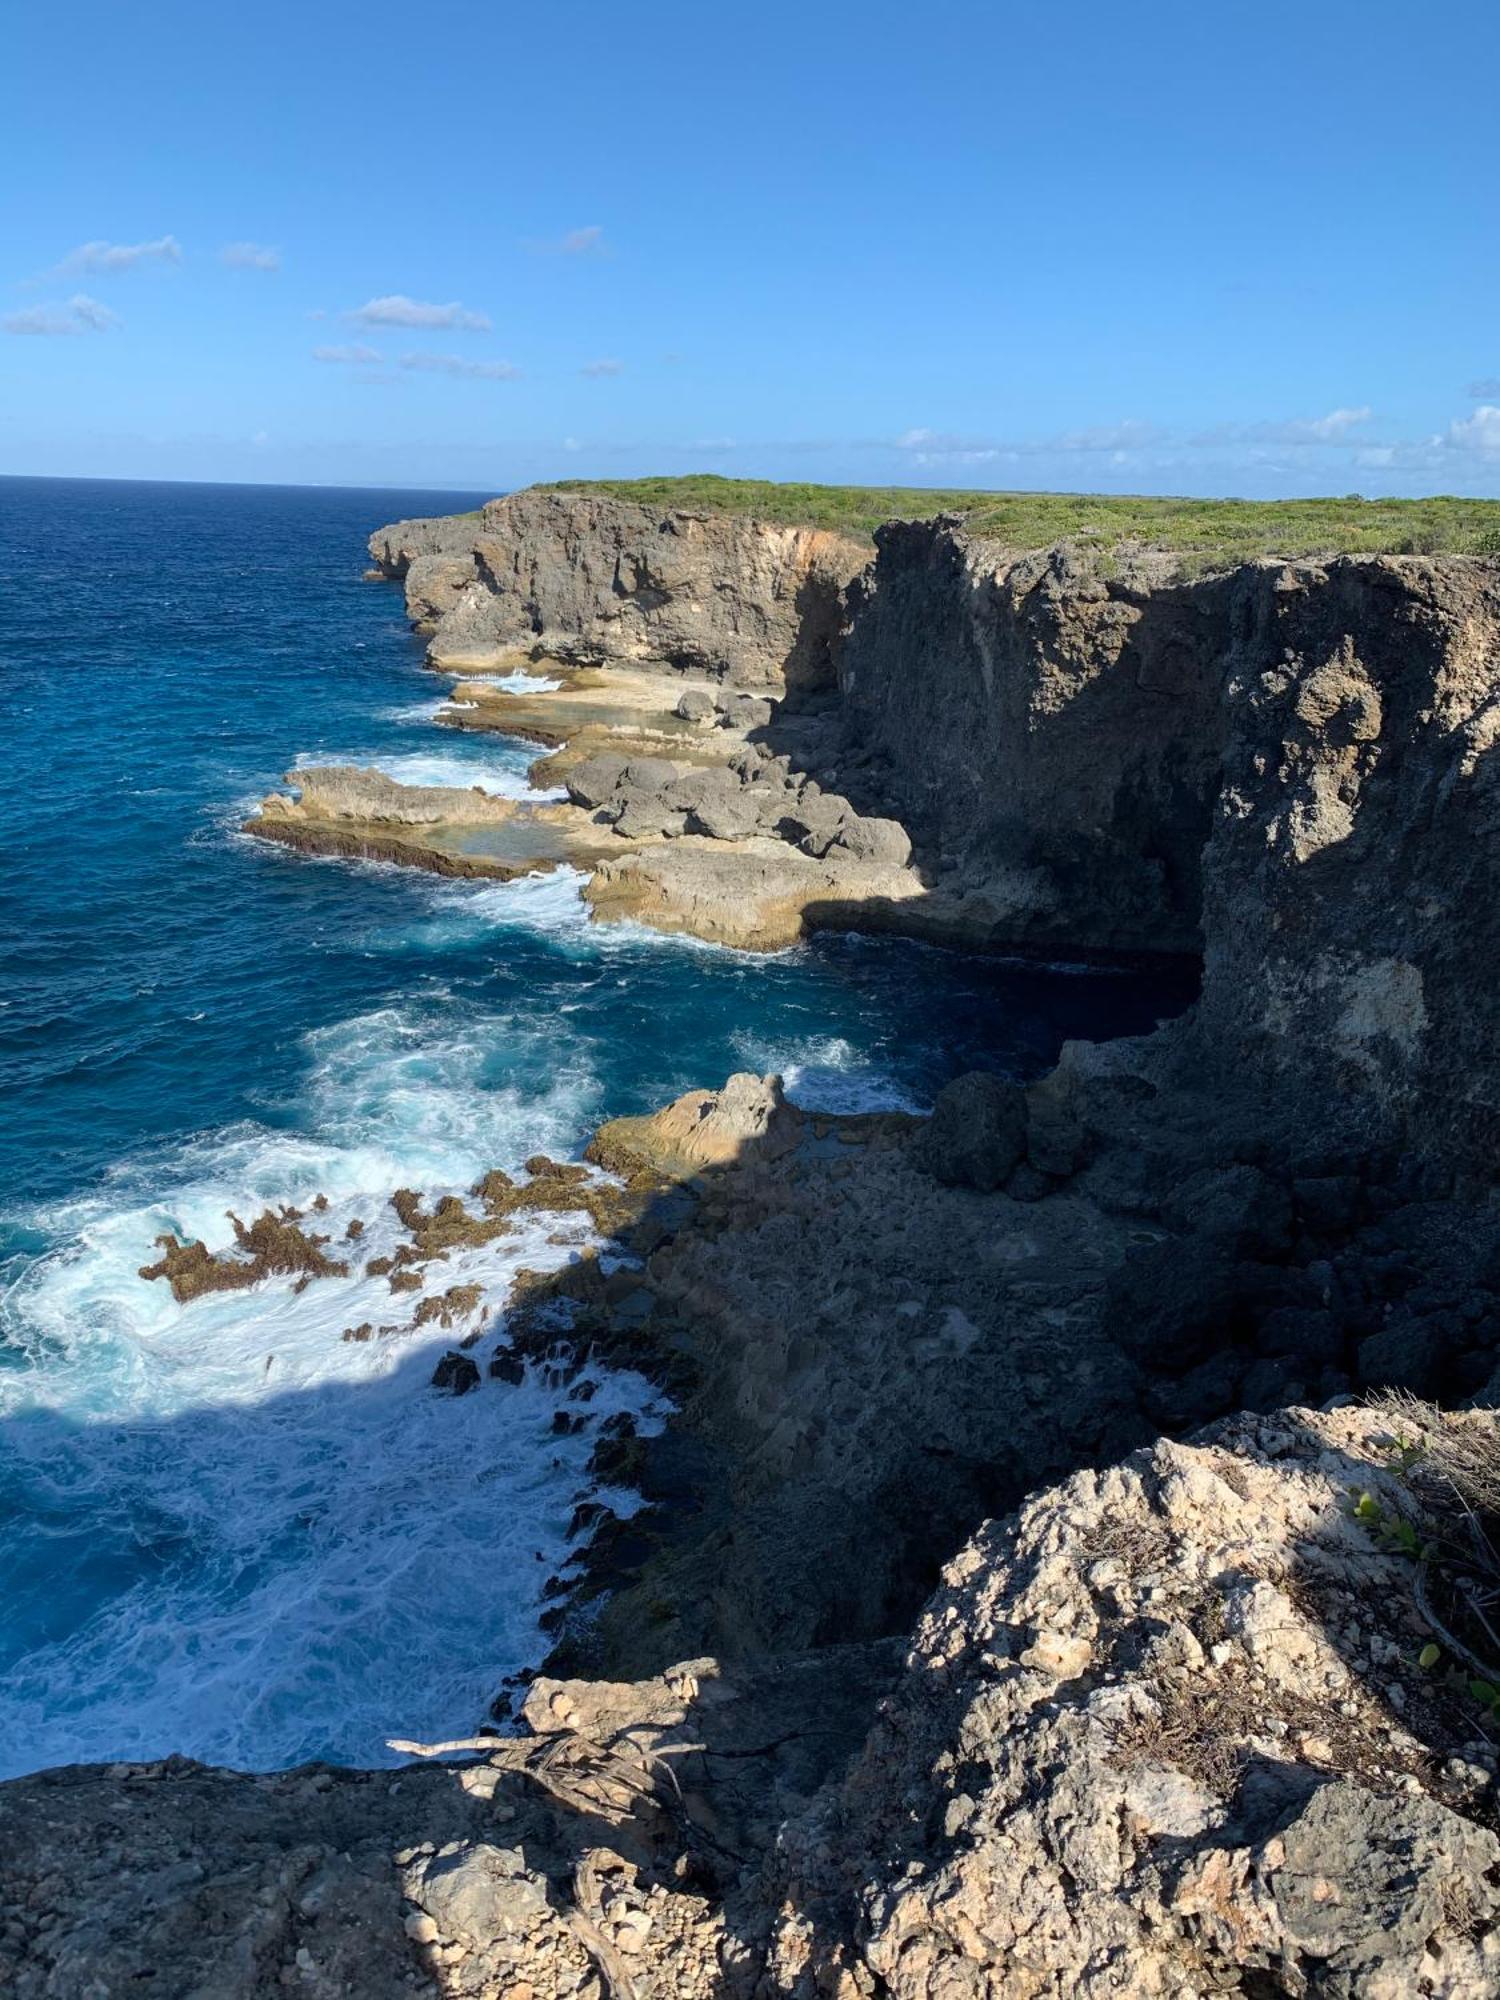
825,1073
258,1542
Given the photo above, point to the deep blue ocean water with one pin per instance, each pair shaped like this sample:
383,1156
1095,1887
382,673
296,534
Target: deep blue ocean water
223,1530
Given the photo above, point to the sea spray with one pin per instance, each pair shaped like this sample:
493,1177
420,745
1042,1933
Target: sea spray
259,1523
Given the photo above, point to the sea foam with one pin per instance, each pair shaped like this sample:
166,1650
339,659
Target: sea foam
258,1526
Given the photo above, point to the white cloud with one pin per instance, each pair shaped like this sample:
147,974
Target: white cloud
250,257
92,316
604,367
398,310
356,356
458,364
102,256
80,315
572,444
1333,427
1479,433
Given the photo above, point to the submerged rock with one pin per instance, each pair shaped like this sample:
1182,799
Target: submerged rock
276,1247
456,1374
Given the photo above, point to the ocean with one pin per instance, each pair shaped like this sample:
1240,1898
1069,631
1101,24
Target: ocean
225,1531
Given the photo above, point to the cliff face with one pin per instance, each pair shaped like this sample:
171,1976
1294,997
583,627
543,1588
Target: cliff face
1054,734
1349,909
1288,764
585,579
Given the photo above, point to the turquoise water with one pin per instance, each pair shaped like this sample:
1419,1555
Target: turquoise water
223,1530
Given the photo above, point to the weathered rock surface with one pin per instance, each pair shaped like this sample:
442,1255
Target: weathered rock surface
749,1119
362,793
1164,1732
583,578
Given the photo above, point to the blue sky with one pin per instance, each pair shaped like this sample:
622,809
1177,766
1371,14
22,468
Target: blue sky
1176,248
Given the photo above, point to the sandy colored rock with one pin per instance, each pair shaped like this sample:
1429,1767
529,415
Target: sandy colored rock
749,1119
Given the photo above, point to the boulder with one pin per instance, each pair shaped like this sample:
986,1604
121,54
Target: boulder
744,711
815,823
649,774
976,1136
643,816
1310,1335
736,816
879,840
1404,1354
595,781
695,705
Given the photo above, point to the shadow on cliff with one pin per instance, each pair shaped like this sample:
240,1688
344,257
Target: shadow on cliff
1100,785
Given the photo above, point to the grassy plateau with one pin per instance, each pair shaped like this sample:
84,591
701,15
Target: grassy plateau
1212,532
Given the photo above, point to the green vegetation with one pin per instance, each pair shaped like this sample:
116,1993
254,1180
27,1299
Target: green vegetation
1211,532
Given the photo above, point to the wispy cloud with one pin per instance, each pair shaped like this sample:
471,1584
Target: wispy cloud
250,257
80,315
356,355
586,242
102,256
1479,433
1331,429
1123,442
398,310
458,364
602,368
1485,389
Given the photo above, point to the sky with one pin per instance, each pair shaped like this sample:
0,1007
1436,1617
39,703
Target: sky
1244,249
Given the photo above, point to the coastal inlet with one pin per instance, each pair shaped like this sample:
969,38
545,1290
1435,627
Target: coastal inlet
231,1532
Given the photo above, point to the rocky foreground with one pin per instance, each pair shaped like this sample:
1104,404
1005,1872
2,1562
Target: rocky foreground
1061,1575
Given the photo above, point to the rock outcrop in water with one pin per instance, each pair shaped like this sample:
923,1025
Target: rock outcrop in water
1209,1712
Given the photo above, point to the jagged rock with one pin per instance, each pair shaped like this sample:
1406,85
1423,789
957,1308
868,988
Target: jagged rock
816,822
1240,1210
274,1246
642,816
456,1374
976,1136
1136,1751
748,1119
578,576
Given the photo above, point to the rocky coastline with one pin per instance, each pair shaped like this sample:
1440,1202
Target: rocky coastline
1071,1564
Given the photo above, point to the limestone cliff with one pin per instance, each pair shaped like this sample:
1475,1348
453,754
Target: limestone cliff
584,579
1287,764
